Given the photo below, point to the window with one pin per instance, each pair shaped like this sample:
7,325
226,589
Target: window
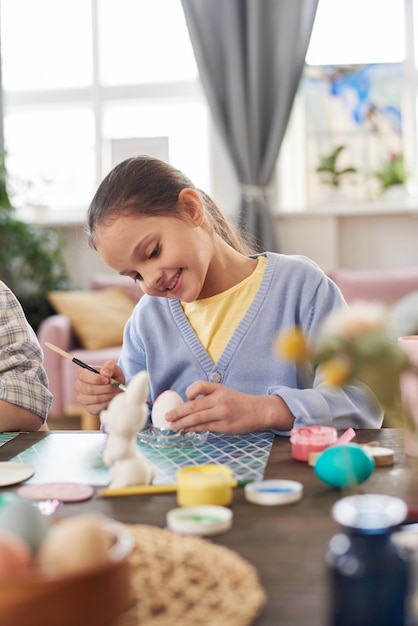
82,75
78,74
351,32
355,94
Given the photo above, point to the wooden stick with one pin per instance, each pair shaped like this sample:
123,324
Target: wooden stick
136,490
80,363
139,490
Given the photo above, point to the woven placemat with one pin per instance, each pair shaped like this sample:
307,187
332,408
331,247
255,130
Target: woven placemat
186,580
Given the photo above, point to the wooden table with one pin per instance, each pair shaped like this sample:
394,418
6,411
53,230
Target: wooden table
287,543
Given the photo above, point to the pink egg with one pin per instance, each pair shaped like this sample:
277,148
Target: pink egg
15,555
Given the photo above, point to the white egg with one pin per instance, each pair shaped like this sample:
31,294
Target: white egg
165,402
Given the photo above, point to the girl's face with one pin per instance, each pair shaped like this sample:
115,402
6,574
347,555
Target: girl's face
168,255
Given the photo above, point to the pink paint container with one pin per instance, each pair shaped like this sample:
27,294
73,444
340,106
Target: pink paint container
311,439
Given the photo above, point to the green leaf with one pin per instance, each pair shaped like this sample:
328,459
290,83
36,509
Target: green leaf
328,166
31,264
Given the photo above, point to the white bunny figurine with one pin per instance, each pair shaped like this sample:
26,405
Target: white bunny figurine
124,417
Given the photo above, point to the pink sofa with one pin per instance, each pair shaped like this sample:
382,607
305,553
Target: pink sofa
384,285
380,285
57,329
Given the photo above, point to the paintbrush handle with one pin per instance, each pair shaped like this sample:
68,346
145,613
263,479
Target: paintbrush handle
141,490
85,366
136,490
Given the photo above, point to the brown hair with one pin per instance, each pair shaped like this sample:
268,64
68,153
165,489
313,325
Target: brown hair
144,185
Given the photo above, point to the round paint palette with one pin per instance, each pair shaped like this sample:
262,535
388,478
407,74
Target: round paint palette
12,473
271,492
64,492
200,520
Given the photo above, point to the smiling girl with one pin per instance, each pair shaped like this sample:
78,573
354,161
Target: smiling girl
207,323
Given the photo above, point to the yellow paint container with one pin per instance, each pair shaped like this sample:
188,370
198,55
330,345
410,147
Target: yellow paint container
204,484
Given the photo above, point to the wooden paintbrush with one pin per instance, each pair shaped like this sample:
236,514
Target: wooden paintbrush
66,355
137,490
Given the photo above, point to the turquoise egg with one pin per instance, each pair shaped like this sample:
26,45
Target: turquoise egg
344,465
21,518
6,499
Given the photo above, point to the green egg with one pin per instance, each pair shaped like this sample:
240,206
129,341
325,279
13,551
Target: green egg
344,465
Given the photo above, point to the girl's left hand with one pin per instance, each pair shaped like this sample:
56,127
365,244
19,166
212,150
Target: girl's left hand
215,408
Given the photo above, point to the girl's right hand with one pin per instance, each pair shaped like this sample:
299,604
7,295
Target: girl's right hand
94,391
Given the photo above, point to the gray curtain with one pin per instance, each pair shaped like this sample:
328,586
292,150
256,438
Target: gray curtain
250,55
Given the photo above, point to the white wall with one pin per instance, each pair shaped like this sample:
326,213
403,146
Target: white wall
81,261
378,238
353,240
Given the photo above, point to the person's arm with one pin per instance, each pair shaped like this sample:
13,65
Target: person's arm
216,408
13,417
297,395
24,395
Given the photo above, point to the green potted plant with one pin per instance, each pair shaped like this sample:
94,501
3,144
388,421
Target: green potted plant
393,172
31,260
331,173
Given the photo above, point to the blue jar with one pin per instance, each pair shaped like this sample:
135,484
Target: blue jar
369,574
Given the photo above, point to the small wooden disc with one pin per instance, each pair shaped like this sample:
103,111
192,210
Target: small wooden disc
12,473
382,456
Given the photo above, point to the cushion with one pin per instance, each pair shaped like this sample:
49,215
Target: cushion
98,318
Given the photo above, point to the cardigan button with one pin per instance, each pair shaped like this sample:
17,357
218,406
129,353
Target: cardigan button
215,377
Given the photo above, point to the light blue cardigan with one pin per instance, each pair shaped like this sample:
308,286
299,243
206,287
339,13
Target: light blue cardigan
294,291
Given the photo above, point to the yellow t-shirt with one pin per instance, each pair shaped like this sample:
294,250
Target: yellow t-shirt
215,319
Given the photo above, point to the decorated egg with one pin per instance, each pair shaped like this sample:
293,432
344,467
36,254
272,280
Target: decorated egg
165,402
74,544
15,555
21,518
344,465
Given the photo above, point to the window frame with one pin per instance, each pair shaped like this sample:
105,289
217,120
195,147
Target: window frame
223,182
